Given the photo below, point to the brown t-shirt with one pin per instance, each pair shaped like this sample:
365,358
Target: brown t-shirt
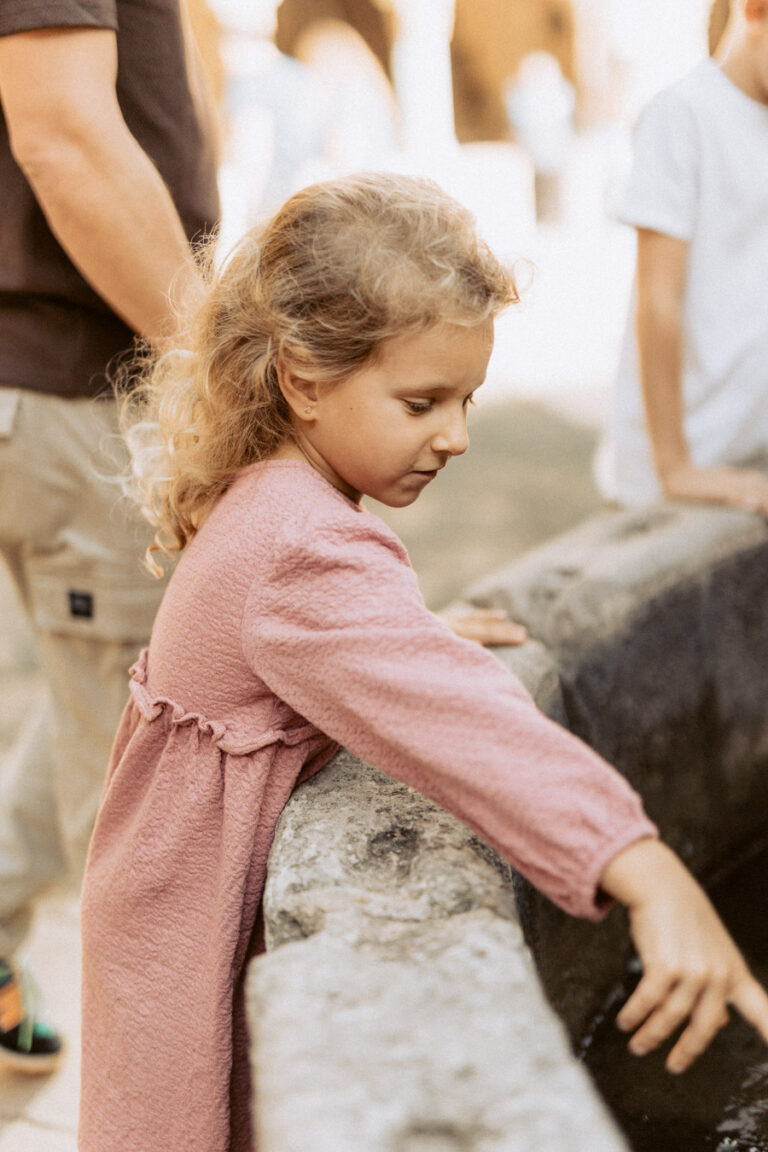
56,334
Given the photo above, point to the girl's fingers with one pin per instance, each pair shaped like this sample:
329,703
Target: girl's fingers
506,632
659,1006
652,990
668,1014
707,1018
750,999
486,626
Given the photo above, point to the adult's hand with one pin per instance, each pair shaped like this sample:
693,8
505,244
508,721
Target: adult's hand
739,487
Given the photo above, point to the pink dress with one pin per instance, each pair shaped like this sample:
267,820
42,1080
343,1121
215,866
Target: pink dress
292,625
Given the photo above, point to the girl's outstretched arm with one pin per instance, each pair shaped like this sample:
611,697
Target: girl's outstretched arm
335,625
692,970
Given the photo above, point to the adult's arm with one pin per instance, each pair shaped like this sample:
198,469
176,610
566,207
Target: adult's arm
102,196
661,272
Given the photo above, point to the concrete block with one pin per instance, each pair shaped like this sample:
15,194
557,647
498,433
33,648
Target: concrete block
353,841
431,1036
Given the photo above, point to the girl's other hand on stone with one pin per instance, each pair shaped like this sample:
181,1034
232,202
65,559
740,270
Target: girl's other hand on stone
489,626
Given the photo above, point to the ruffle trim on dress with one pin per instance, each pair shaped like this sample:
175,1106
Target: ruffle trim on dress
151,707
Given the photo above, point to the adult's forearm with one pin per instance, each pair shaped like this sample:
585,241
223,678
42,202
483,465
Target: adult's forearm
661,276
110,210
660,352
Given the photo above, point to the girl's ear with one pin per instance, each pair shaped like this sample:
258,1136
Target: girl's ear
299,391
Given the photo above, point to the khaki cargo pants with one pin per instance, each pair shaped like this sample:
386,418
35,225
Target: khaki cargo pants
73,546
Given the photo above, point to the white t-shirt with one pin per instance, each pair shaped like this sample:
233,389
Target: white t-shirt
700,174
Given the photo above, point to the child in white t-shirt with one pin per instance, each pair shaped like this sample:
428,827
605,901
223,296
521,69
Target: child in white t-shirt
690,410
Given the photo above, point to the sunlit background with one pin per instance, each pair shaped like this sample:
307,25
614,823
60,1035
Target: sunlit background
521,108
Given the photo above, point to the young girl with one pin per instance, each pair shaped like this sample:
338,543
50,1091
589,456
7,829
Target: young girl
334,357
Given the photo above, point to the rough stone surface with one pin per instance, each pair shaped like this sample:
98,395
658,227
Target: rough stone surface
391,1036
533,664
352,835
354,842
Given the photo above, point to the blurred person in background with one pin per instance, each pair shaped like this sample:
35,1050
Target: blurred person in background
107,171
276,117
689,417
362,128
540,105
292,120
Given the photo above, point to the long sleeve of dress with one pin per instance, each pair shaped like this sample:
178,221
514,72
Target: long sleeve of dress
340,632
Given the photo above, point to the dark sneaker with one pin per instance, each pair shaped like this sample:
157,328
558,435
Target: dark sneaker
27,1043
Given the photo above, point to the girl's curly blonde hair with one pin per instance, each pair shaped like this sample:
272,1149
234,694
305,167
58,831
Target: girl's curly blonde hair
343,267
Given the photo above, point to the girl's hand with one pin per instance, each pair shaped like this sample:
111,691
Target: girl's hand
489,626
692,970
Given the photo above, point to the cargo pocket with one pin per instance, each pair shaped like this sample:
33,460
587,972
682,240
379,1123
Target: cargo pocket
98,604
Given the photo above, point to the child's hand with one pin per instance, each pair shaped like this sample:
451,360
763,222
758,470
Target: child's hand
691,967
739,487
490,626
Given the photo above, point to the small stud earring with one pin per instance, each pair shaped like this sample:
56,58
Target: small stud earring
308,410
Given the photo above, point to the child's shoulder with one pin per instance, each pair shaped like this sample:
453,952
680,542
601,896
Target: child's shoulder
692,94
294,510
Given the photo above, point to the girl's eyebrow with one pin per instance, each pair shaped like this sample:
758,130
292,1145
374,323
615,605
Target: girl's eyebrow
429,387
412,388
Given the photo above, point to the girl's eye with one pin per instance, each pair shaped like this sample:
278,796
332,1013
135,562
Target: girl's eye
418,406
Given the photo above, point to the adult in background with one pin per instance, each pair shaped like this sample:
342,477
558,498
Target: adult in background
106,174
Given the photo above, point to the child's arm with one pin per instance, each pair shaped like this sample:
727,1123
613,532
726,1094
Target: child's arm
661,271
339,631
691,967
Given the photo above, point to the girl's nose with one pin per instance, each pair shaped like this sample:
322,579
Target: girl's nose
452,435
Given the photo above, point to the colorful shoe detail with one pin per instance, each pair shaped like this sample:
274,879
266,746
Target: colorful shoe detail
27,1043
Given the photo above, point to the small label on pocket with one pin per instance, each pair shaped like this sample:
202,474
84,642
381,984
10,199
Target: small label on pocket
9,402
81,605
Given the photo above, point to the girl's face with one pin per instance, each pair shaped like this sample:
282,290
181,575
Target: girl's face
388,429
